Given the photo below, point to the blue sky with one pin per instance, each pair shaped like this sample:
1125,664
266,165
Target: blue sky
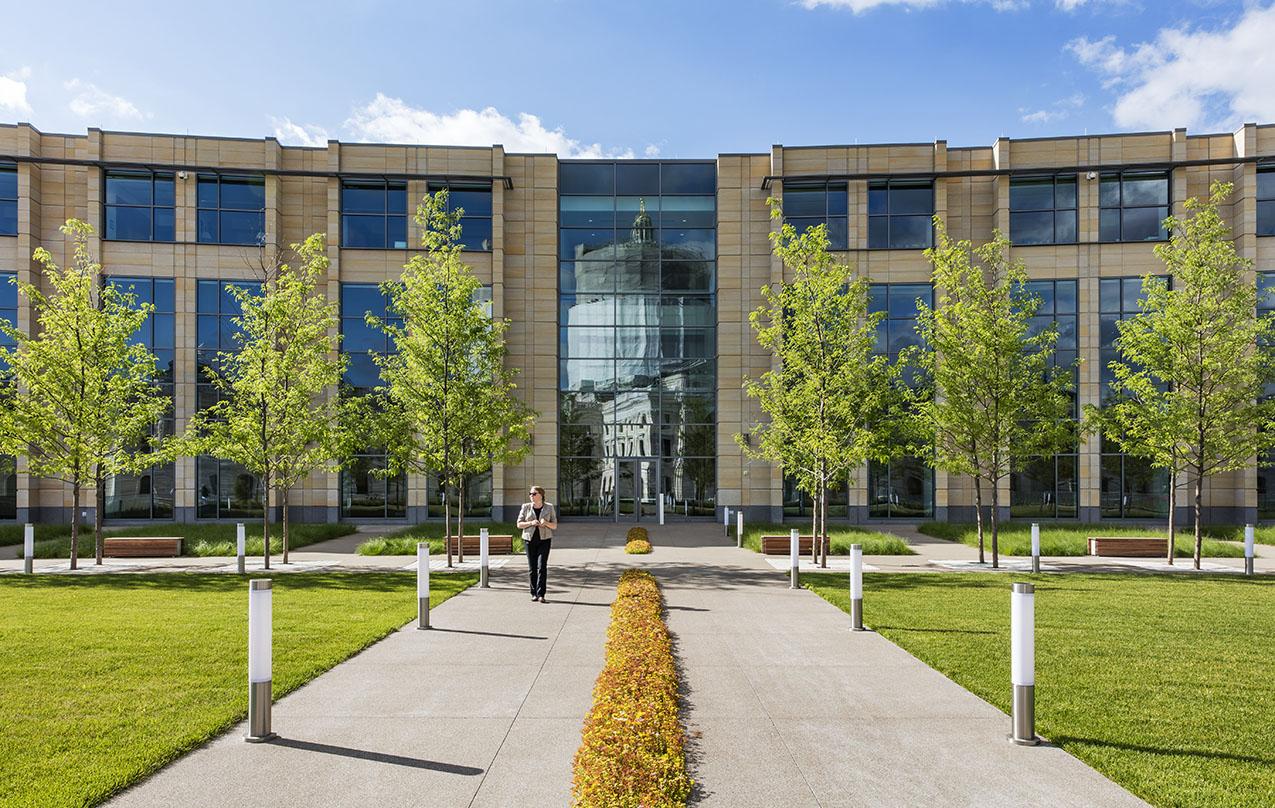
647,78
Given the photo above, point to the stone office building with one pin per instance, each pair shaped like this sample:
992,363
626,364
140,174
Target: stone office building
628,285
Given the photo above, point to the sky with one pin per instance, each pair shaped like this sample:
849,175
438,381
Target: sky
643,78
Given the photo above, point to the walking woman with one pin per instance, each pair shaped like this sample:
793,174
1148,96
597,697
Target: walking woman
537,520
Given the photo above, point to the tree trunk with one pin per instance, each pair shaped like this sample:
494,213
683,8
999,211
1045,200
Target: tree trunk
1173,503
99,490
75,524
284,497
460,521
996,501
447,523
978,516
823,533
1199,528
265,519
814,521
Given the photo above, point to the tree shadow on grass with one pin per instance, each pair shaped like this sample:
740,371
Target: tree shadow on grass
1063,740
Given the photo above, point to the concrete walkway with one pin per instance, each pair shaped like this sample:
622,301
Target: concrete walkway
785,705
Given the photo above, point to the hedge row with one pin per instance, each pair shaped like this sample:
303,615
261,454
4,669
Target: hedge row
637,547
632,753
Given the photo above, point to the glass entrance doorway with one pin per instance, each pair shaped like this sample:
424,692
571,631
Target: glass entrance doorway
637,489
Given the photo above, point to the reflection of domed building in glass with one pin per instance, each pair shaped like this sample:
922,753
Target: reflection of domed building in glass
642,360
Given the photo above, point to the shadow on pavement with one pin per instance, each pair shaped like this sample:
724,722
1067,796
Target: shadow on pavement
378,757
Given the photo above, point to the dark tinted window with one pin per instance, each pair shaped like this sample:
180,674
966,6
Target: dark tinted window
373,214
475,223
8,200
232,209
1042,210
1133,205
139,206
900,214
808,205
1265,203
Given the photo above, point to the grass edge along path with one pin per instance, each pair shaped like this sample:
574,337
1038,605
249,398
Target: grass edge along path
841,537
199,539
1014,538
1162,683
160,663
632,751
404,541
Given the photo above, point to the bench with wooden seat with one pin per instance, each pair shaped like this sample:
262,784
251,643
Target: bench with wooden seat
141,546
779,545
496,544
1129,546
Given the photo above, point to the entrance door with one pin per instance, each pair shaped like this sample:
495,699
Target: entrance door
637,490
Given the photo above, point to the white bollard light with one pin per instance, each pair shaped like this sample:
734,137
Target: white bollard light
739,528
259,660
240,543
660,499
28,548
1249,538
856,587
726,521
794,559
422,585
1035,547
1022,628
483,559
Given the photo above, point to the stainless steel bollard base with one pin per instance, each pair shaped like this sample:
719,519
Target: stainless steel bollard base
856,614
1025,716
422,621
1035,563
794,579
482,578
242,565
28,566
259,713
1248,566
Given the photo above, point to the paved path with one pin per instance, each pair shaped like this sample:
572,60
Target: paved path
786,706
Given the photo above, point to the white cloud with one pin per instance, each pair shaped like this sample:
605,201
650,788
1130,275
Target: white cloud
1194,78
297,134
391,120
651,151
91,101
13,91
1057,111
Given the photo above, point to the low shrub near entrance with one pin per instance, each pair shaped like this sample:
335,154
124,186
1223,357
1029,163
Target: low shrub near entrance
1057,539
633,747
637,534
637,547
199,538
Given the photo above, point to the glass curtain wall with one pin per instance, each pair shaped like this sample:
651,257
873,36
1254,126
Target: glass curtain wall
637,337
1266,468
223,489
1129,488
149,494
8,468
1046,487
904,487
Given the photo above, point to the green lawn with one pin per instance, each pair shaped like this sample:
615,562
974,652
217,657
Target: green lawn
201,538
842,536
1166,684
106,678
403,542
1072,540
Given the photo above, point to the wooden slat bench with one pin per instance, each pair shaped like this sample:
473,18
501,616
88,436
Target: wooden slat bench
496,544
1129,546
779,545
141,546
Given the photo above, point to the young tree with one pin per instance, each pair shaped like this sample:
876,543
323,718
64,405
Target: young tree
447,401
1195,361
79,394
277,414
831,399
989,398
